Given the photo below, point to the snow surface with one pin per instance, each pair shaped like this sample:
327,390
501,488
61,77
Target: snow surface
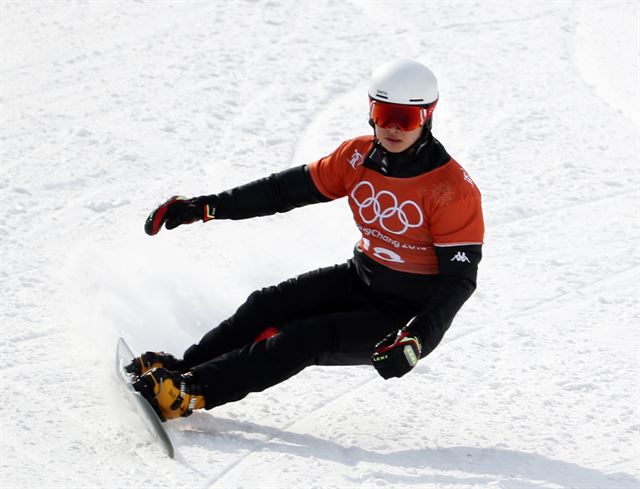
108,108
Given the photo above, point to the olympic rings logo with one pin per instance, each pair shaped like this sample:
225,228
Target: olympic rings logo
371,209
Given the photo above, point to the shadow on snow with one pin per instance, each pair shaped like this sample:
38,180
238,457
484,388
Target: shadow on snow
482,465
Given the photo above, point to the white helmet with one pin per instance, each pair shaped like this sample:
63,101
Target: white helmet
404,81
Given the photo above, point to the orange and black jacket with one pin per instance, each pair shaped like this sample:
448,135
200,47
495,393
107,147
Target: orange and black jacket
419,214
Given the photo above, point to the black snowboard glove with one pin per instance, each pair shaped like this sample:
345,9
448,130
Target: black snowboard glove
397,353
180,210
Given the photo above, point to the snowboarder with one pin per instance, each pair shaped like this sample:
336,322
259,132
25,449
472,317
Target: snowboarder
422,229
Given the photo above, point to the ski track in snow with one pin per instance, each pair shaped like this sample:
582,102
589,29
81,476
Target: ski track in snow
109,107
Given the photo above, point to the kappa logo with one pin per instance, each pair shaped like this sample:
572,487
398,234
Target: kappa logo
394,217
468,179
461,256
357,158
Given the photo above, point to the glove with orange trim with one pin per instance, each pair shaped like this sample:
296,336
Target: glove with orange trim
397,353
179,210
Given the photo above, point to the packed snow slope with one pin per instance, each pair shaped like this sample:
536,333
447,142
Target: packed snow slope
110,107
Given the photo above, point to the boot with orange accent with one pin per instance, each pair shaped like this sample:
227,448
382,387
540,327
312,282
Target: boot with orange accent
153,359
171,394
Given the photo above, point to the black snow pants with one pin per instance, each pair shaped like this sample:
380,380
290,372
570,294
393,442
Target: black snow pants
324,317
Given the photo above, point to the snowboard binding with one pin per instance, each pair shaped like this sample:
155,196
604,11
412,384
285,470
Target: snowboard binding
150,360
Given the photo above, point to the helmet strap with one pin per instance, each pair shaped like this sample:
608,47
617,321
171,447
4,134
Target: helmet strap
424,138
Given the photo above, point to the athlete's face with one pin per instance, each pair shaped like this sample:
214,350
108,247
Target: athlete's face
395,140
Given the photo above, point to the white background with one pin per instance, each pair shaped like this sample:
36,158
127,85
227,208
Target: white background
110,107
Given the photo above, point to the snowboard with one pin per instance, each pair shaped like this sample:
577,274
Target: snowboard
145,411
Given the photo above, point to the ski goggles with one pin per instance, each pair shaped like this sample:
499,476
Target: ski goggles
407,117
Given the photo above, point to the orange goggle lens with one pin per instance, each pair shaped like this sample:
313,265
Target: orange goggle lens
407,117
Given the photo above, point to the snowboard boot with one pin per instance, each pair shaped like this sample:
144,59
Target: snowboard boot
152,359
171,394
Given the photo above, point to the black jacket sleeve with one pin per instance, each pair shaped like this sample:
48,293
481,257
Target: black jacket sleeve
279,192
453,286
